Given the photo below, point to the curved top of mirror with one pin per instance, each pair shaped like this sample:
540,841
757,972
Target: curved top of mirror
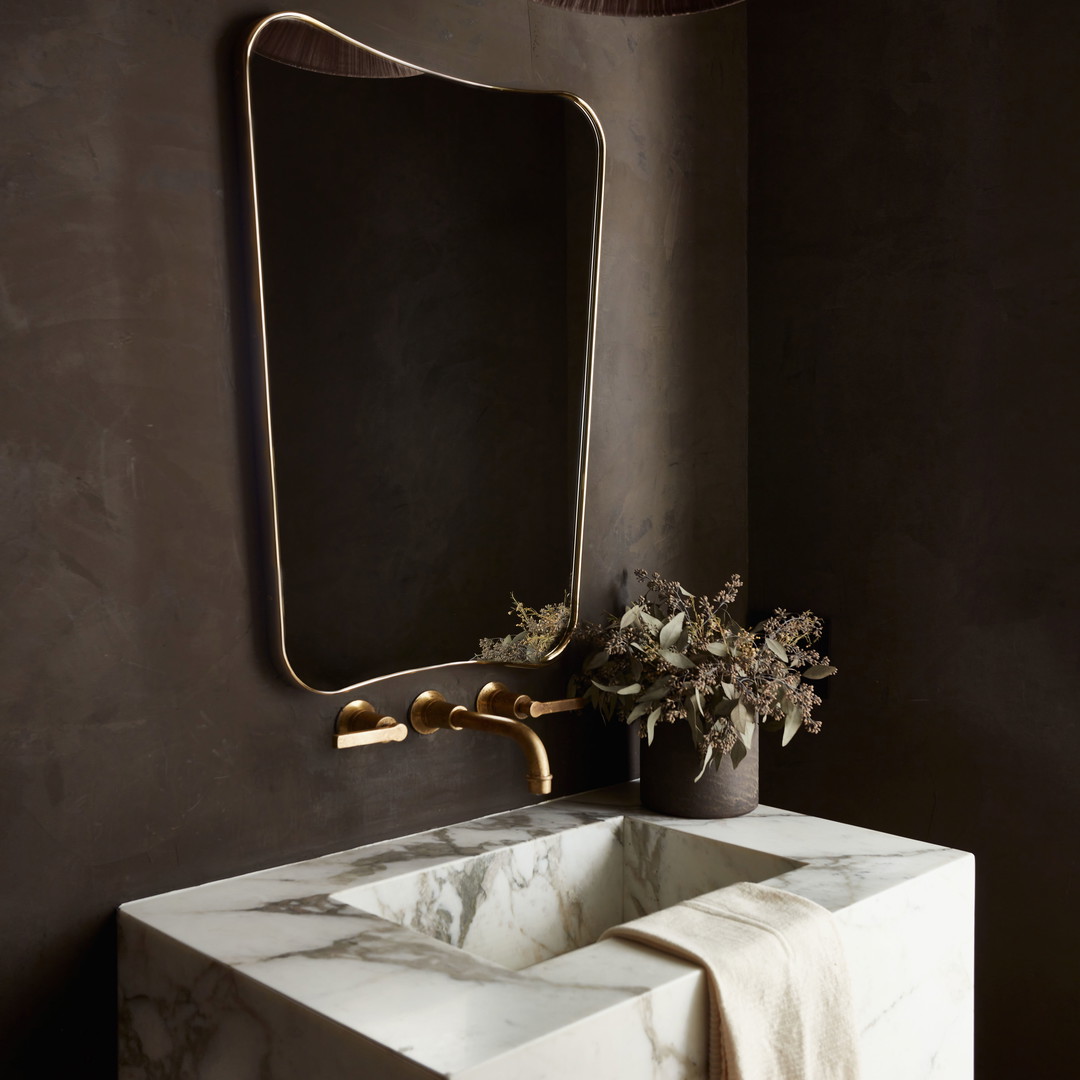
425,256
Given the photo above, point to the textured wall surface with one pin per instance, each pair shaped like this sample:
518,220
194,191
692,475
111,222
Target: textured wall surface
915,329
145,741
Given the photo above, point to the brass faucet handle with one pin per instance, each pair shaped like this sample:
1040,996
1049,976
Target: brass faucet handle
360,724
497,700
431,712
542,708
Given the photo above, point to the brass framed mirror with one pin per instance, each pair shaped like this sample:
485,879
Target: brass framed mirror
425,263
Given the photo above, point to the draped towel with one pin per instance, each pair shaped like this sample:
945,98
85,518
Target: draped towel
779,989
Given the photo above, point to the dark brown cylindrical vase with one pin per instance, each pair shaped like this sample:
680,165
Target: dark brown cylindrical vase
669,766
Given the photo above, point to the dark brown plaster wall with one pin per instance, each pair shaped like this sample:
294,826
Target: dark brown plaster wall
145,741
915,332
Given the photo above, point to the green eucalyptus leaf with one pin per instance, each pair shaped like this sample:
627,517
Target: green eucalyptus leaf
677,659
792,723
633,688
743,719
718,648
729,691
640,709
776,648
722,707
747,736
819,671
699,702
658,690
686,592
669,635
598,659
630,616
650,725
705,762
607,689
650,620
738,752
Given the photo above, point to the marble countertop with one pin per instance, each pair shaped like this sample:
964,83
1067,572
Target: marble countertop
453,1012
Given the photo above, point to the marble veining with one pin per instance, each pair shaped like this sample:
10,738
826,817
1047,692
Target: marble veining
522,904
471,951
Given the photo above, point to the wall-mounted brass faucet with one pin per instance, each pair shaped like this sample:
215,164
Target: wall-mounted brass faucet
497,699
431,711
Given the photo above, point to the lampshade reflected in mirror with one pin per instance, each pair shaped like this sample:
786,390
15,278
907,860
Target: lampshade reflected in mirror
302,45
639,7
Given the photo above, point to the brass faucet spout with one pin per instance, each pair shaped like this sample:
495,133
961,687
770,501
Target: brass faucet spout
538,771
431,711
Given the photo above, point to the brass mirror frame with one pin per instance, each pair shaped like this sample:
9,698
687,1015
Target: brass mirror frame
261,350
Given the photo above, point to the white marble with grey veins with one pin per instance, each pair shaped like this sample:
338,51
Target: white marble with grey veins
471,951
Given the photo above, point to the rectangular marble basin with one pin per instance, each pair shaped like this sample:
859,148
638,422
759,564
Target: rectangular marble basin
470,952
528,902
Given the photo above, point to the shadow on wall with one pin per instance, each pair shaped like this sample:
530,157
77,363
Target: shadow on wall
914,318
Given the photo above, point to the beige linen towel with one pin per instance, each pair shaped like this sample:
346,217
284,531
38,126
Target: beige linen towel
778,981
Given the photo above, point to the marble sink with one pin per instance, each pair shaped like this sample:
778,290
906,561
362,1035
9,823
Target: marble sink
525,903
471,951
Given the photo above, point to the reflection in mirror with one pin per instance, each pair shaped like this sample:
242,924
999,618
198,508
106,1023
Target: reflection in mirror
426,261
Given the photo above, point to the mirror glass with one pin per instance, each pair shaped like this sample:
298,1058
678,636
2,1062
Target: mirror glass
426,263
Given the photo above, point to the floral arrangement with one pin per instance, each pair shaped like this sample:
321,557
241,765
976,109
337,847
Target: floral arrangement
539,631
674,656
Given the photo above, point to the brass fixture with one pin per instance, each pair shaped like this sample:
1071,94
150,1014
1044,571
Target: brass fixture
360,724
431,711
497,699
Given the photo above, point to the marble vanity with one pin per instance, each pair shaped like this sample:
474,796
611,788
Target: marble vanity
471,951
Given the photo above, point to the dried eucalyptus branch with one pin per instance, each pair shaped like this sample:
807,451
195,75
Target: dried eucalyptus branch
674,656
540,630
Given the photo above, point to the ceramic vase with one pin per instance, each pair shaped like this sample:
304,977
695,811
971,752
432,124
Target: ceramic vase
668,768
